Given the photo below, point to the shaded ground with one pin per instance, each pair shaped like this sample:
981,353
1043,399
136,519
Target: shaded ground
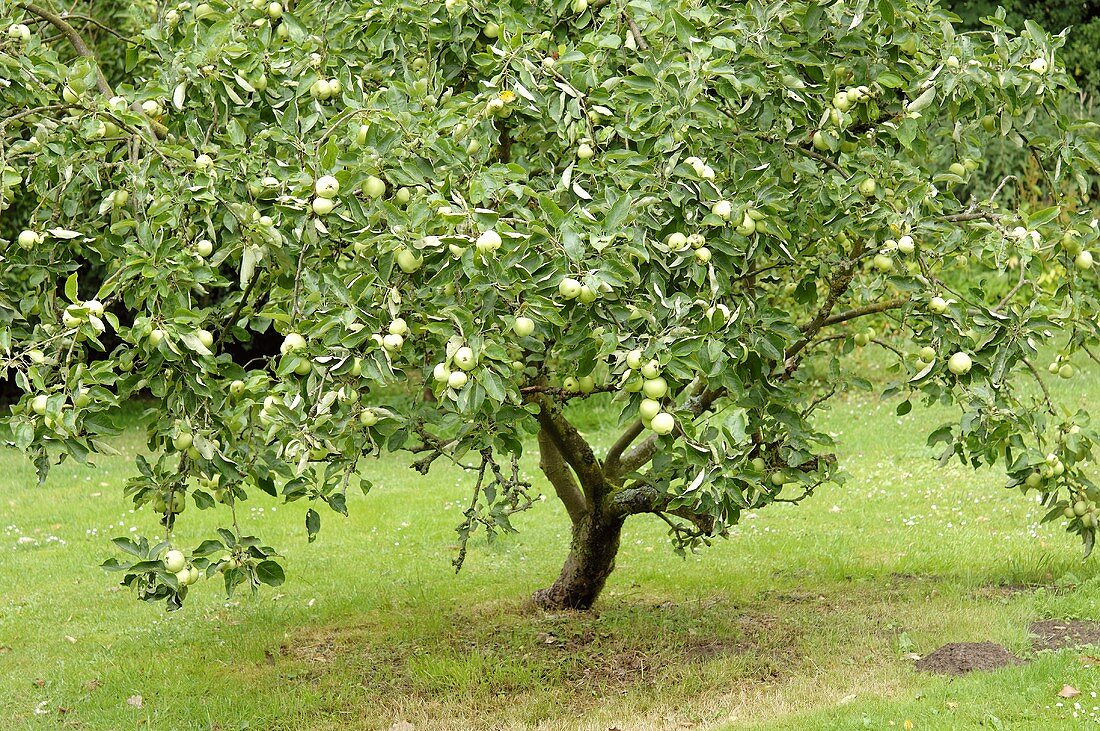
960,658
1055,634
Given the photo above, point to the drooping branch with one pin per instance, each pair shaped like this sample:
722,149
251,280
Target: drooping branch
557,471
74,40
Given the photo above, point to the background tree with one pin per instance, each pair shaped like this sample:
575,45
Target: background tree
689,210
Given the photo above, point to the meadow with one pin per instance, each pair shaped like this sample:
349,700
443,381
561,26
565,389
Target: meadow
807,617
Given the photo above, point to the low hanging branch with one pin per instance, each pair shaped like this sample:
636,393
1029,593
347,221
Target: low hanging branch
74,40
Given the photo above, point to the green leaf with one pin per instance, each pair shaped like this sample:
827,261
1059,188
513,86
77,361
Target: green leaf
271,573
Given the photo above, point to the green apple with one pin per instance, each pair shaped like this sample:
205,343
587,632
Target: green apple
747,227
19,32
957,168
927,354
883,263
663,423
677,241
27,239
367,417
722,209
204,247
634,359
587,295
702,255
175,561
374,187
326,186
441,373
236,388
1083,260
491,30
570,384
320,90
1039,65
651,369
586,384
38,404
861,339
323,206
655,388
937,305
1066,371
293,341
465,359
206,338
579,6
488,242
649,408
523,326
408,261
183,441
584,151
569,288
402,196
392,343
959,364
867,187
457,380
155,336
906,245
275,10
398,326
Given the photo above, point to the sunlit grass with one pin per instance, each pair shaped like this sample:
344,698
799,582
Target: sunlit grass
803,619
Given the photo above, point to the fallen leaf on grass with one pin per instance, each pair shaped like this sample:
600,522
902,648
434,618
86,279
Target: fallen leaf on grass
135,700
1068,691
402,726
40,682
1089,660
71,639
91,685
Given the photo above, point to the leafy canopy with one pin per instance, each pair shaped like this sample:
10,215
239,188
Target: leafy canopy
741,193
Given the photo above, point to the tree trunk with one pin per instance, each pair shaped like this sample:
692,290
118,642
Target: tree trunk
591,560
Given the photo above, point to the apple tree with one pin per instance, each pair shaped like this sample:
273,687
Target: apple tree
310,233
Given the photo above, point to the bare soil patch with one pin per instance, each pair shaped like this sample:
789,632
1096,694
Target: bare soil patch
1055,634
960,658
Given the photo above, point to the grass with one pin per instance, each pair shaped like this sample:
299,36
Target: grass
803,619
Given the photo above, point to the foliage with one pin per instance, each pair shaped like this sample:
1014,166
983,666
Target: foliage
694,207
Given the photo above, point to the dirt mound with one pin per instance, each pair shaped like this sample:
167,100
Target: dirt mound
960,658
1054,634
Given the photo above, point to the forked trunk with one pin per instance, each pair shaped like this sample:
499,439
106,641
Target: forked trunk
591,560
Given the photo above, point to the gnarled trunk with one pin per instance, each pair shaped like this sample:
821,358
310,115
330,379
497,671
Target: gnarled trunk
591,560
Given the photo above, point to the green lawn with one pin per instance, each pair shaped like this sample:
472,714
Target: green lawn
802,620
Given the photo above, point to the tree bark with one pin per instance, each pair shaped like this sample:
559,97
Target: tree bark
591,560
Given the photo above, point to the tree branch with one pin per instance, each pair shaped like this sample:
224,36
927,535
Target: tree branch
75,40
553,465
842,279
856,312
822,159
612,464
574,449
644,452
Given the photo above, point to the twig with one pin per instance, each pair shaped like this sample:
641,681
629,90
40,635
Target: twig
1039,380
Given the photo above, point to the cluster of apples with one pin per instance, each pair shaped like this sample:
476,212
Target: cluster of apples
654,387
176,564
